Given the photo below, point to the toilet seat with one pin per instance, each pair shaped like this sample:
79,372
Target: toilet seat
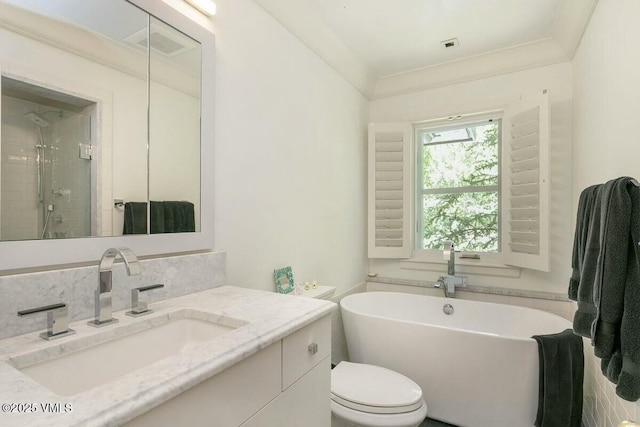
376,409
373,389
363,419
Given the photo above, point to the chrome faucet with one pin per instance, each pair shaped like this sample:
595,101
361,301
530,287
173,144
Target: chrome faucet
103,293
450,281
450,253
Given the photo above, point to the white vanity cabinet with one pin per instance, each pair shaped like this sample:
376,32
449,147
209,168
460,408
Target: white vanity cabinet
306,381
284,385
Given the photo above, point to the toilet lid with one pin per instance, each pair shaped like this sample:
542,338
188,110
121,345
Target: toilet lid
374,389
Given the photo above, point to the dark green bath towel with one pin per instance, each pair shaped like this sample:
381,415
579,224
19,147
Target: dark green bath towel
586,313
561,376
585,210
611,272
624,366
135,218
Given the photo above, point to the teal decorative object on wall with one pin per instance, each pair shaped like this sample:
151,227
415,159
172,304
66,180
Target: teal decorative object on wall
284,280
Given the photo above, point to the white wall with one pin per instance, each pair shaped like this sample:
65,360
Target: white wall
490,94
607,96
606,145
290,156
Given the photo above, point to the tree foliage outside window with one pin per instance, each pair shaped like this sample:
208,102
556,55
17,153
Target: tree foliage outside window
460,187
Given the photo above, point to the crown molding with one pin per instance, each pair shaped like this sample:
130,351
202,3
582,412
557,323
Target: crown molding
300,18
571,23
504,61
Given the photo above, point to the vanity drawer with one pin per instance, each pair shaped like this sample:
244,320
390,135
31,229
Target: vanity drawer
304,349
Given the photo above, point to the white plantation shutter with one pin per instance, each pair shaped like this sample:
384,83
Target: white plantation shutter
390,190
525,184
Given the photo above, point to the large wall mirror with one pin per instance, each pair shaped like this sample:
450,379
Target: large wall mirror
106,116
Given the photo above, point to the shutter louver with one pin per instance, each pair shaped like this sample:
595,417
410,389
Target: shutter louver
389,190
526,184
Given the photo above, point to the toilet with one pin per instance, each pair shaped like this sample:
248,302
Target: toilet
371,396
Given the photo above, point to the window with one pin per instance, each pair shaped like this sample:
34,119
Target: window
482,183
458,185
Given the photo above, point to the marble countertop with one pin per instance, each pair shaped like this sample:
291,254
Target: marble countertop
270,317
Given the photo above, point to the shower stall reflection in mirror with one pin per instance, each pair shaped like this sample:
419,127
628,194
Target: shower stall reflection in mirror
46,164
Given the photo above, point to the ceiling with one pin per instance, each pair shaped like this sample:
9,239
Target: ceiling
398,41
393,37
385,48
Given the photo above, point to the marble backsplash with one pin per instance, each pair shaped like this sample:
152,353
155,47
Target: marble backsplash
181,275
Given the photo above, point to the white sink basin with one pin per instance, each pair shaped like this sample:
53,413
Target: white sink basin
72,367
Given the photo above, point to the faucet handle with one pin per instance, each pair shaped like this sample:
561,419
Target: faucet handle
57,320
138,307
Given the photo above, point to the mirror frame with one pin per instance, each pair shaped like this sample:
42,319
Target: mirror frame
36,254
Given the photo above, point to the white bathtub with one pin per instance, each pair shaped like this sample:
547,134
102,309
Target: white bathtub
477,367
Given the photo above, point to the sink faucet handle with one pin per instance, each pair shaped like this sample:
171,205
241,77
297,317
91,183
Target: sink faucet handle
57,320
138,307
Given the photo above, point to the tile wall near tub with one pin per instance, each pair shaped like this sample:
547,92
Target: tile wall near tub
602,407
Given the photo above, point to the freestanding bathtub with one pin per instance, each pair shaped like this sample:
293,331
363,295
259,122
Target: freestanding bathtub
478,367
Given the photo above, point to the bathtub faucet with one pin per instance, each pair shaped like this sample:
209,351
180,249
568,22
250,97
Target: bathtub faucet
450,281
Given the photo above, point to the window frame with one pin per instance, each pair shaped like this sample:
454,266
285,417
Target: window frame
493,259
525,172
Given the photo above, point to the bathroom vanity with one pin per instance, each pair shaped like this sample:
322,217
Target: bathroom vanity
226,357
